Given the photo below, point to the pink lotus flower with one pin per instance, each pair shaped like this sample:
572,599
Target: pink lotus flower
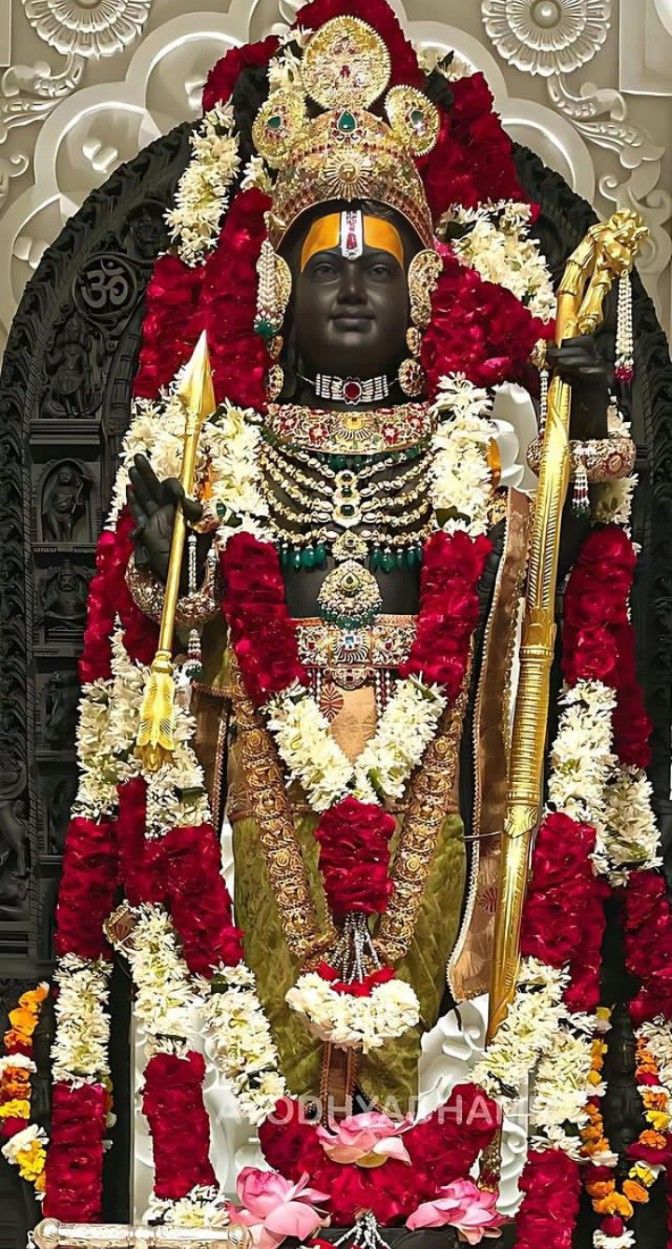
462,1205
274,1208
367,1140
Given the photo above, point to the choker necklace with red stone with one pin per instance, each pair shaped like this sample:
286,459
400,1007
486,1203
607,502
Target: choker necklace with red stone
351,390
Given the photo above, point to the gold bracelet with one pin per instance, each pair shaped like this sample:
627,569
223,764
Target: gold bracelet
602,459
192,611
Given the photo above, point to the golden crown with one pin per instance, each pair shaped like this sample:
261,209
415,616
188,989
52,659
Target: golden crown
347,152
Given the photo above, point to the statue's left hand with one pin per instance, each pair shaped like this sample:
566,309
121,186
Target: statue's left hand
580,364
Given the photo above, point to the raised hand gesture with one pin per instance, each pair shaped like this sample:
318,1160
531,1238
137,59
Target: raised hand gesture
153,504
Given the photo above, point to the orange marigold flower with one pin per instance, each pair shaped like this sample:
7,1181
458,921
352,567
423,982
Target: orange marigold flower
601,1188
25,1021
654,1140
634,1191
594,1077
653,1100
615,1203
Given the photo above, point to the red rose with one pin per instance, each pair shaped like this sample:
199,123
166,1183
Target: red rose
200,906
74,1166
551,1185
138,864
354,856
171,325
173,1104
88,887
222,77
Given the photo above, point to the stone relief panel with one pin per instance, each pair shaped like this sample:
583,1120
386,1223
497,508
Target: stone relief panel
89,82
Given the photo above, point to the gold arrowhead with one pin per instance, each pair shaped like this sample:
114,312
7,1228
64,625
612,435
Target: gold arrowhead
196,389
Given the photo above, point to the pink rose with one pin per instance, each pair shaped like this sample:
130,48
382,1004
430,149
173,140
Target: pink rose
464,1206
273,1208
366,1139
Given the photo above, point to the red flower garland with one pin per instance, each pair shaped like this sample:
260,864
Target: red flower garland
551,1186
172,1102
563,919
262,633
110,597
222,77
74,1166
87,889
452,565
189,861
491,340
354,857
442,1148
172,324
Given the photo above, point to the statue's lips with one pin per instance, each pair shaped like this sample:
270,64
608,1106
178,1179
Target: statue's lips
352,320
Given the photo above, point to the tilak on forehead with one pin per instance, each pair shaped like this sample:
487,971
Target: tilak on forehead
350,231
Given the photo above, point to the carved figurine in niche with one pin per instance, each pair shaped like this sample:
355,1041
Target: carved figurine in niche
63,600
59,710
64,503
74,367
59,793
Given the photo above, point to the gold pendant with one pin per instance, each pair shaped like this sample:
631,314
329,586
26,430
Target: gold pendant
349,596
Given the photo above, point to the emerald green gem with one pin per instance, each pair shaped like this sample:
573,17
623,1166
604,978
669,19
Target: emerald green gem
347,509
346,123
374,560
274,122
400,559
320,555
412,557
387,561
264,329
416,118
296,558
308,557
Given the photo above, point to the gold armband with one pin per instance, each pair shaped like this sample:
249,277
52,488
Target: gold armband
192,611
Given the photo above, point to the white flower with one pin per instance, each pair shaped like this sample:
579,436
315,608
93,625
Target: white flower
79,1052
498,248
21,1140
527,1033
360,1023
239,1042
166,993
405,729
460,473
202,1207
202,192
308,750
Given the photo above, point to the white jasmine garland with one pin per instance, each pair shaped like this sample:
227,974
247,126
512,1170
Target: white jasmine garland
558,1100
166,992
582,757
202,1207
630,837
528,1032
238,1040
360,1023
203,190
460,474
658,1038
79,1053
312,756
498,247
404,731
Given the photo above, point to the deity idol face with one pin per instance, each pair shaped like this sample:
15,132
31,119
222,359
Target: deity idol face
350,308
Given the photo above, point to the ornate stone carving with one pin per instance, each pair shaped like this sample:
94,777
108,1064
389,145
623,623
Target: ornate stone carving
62,606
64,500
547,36
89,28
60,696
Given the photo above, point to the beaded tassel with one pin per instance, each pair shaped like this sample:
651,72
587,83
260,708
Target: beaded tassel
624,367
193,666
543,400
580,497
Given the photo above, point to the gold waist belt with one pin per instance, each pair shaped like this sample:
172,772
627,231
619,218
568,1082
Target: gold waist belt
351,657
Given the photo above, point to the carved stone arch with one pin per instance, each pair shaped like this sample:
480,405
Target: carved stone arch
64,396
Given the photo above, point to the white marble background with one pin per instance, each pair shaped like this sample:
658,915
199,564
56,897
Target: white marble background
586,83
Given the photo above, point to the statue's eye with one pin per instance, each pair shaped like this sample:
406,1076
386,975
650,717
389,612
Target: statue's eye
381,270
323,269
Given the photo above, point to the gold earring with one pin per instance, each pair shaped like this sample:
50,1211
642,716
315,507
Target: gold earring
422,277
273,294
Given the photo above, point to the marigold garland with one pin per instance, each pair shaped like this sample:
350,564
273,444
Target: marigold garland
24,1142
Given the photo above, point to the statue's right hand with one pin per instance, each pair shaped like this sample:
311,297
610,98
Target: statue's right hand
153,504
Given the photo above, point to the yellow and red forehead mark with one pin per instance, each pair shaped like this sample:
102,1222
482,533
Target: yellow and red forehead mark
350,231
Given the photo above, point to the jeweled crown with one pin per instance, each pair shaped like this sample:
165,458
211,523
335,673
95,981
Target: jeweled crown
347,152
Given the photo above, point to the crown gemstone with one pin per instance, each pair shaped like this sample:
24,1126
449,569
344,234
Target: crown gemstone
417,119
274,122
346,123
